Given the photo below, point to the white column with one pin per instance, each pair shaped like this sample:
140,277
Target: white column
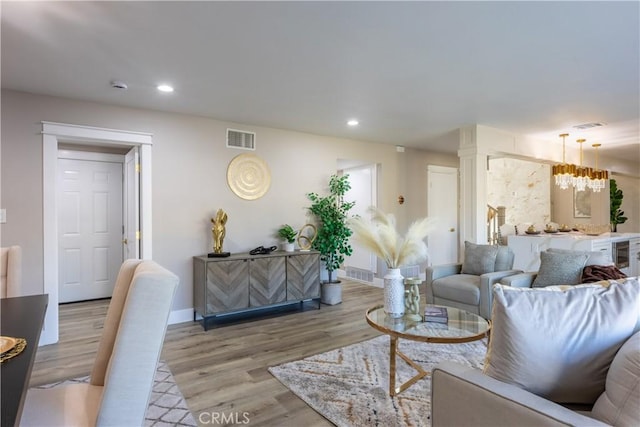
473,188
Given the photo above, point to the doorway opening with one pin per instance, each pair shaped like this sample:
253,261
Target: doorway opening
53,136
362,264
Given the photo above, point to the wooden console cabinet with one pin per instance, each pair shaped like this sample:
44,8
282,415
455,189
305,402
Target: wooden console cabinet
244,282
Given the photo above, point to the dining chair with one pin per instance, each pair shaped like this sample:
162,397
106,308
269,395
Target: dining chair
10,271
121,381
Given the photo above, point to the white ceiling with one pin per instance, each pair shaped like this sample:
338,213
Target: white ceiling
411,72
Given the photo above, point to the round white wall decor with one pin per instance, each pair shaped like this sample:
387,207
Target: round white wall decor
248,176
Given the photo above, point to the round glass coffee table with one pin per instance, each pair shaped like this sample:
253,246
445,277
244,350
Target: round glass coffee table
448,325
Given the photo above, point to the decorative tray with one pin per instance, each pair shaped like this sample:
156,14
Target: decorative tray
532,232
551,231
11,347
7,343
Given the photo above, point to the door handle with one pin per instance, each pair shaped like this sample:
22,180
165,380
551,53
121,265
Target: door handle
125,241
452,229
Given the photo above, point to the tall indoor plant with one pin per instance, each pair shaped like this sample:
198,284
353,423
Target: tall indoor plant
332,213
380,236
615,200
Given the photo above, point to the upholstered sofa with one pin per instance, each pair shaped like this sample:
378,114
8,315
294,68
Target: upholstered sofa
558,356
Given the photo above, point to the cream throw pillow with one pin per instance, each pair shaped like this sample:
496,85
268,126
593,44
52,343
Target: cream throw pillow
558,342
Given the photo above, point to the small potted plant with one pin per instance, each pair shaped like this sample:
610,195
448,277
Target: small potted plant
288,234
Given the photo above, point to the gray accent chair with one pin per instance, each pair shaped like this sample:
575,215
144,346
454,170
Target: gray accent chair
10,271
447,285
123,372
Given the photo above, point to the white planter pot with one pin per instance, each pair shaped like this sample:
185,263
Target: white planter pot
331,293
288,247
394,293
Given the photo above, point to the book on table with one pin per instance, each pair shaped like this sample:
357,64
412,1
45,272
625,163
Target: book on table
436,314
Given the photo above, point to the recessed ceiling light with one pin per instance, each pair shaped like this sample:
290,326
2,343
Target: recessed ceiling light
353,122
165,88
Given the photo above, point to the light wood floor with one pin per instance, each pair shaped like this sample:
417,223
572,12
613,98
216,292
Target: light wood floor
224,370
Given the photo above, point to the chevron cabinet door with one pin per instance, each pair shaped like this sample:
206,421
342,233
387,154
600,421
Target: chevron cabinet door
227,286
303,276
267,282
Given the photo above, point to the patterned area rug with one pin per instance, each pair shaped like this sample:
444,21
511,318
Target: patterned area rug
350,386
167,406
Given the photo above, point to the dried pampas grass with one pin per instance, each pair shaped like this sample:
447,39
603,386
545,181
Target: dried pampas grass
381,237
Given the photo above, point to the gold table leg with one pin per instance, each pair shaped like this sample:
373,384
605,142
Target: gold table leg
393,352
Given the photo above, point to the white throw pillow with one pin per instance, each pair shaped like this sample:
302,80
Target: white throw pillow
558,342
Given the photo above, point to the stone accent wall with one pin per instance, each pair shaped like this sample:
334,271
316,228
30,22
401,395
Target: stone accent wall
522,187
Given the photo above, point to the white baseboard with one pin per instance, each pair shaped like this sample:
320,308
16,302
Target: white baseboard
181,316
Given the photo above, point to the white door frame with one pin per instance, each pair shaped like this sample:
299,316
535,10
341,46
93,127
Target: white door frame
52,135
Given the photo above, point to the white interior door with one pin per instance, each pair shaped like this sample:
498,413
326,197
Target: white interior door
131,200
363,190
442,201
90,226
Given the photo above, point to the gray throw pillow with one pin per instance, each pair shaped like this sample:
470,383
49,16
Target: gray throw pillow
479,259
595,257
558,342
558,268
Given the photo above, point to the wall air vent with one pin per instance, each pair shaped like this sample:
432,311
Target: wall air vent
588,126
359,274
241,139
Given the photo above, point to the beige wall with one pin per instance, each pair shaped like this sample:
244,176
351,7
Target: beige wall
563,206
189,179
630,187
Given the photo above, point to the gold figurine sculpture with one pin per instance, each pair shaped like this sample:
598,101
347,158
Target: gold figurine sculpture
218,230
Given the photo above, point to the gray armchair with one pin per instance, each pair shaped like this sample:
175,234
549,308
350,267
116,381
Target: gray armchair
468,286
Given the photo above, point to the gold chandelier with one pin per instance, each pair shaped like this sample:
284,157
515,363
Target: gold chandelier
582,174
598,177
580,177
564,172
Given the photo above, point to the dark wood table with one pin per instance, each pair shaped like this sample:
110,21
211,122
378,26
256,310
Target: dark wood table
20,317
